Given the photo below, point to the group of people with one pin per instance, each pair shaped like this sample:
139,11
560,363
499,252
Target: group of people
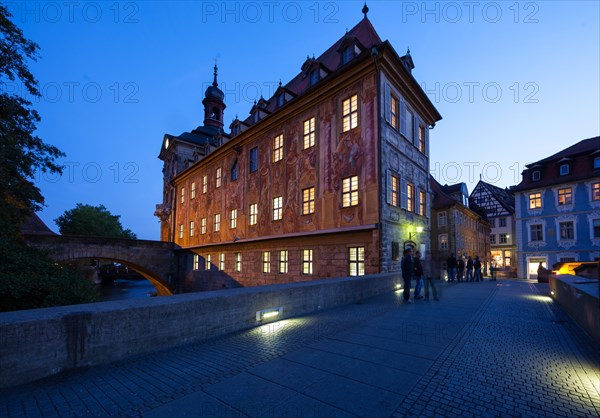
456,269
413,268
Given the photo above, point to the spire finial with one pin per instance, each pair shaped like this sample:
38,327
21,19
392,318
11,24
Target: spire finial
215,79
280,82
407,50
365,9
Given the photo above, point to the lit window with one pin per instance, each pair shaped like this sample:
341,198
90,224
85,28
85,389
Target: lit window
196,262
182,194
191,228
253,213
503,238
219,176
566,230
536,175
422,139
203,226
395,191
234,170
535,200
233,219
492,239
207,259
277,208
356,261
564,169
238,262
283,261
394,112
253,159
501,222
217,222
442,217
266,261
350,113
181,231
443,241
309,133
596,191
422,202
204,184
536,232
350,191
595,228
222,261
277,148
308,201
307,261
565,196
193,193
410,196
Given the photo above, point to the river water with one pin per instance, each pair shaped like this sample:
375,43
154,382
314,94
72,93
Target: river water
126,289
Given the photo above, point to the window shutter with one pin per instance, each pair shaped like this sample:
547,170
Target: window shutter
417,200
426,129
427,206
416,131
388,103
403,194
388,191
403,118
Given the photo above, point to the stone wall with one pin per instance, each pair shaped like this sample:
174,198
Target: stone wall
42,342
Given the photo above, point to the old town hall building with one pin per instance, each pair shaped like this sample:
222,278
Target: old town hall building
329,177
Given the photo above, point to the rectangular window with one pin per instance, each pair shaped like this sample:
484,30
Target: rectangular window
253,159
410,196
564,169
422,139
203,226
219,177
535,200
182,194
309,133
443,241
253,213
207,259
217,222
181,231
536,176
395,191
204,184
234,171
356,261
307,261
238,262
278,148
283,261
595,228
193,193
191,228
565,196
501,222
350,113
492,238
350,191
196,262
266,261
536,232
442,219
277,208
394,104
566,230
503,238
422,202
222,261
233,219
596,192
308,201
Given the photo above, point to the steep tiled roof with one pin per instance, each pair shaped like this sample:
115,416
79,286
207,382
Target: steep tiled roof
503,196
582,147
440,198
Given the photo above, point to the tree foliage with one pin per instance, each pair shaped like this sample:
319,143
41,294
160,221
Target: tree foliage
21,152
92,221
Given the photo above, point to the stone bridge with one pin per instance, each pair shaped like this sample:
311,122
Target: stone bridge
155,260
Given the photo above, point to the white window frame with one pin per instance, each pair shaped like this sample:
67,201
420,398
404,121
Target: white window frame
350,187
350,113
356,261
233,219
309,133
253,218
307,262
278,208
217,222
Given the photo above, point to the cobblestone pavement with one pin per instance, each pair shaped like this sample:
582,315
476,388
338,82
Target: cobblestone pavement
487,349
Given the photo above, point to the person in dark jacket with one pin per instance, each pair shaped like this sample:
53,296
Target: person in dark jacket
477,265
418,275
460,269
469,277
451,266
408,270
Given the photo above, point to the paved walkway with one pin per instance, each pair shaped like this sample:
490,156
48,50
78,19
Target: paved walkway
486,349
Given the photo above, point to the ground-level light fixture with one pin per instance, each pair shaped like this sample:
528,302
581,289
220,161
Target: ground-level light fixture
268,314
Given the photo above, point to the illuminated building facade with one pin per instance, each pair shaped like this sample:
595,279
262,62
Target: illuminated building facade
558,209
326,178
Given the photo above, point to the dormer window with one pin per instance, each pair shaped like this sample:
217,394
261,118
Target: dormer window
347,54
536,175
280,100
255,116
314,77
564,169
596,163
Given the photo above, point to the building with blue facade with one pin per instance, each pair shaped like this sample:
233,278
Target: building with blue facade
557,208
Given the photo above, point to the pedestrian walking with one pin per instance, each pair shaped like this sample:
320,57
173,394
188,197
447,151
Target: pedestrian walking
418,275
451,266
408,270
469,277
477,266
460,269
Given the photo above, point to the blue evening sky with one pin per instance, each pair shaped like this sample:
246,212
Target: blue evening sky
514,82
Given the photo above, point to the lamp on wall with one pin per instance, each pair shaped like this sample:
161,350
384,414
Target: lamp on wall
419,230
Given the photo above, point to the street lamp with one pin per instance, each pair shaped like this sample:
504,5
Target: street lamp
419,230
